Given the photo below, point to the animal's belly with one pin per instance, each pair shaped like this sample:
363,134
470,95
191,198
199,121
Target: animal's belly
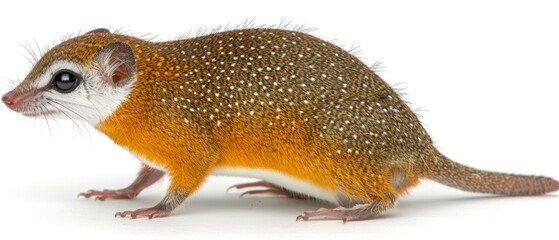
280,179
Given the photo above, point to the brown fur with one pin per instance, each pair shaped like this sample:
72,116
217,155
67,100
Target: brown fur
277,100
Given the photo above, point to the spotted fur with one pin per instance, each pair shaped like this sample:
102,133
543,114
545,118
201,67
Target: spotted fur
275,101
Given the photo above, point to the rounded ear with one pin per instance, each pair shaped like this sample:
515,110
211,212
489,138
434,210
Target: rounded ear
116,63
98,30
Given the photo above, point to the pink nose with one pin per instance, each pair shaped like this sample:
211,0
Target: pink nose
8,100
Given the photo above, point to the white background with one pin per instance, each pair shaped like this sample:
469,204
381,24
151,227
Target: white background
484,74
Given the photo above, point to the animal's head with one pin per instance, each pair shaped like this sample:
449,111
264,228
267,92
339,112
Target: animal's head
83,78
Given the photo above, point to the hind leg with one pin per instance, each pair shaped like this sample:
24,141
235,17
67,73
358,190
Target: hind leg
355,213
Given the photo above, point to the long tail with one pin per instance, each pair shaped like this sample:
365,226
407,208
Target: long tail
465,178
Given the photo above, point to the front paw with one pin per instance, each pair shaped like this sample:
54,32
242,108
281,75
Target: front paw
109,194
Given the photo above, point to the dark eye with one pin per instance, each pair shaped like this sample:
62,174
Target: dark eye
65,81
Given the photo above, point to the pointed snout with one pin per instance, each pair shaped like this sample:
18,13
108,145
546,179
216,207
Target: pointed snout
16,100
9,99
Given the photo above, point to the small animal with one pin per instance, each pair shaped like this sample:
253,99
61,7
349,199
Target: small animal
303,115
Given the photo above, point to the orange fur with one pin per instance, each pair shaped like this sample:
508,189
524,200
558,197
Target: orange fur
269,99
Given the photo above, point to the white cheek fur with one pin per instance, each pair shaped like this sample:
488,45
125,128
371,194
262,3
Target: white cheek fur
103,99
92,101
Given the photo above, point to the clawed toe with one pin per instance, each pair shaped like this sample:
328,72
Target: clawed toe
324,214
109,194
269,190
355,213
263,184
266,192
149,213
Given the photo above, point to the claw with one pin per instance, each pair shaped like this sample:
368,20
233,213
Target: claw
249,185
86,194
149,213
274,192
355,213
109,194
269,189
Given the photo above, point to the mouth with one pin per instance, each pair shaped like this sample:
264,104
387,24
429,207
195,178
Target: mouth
37,114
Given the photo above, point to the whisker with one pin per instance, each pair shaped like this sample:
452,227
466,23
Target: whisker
41,52
9,82
54,118
43,110
74,123
72,111
27,48
96,109
87,131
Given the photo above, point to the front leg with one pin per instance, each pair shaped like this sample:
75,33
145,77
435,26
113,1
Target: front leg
186,178
174,198
146,177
